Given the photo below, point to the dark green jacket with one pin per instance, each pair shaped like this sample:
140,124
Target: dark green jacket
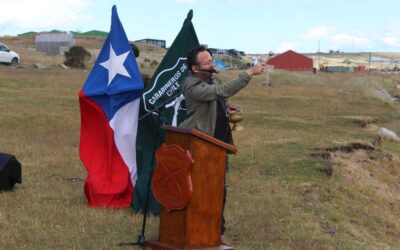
201,100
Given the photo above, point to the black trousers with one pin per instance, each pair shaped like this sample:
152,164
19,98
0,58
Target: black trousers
223,208
224,199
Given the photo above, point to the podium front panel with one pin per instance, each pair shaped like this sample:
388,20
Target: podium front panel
173,224
204,213
199,224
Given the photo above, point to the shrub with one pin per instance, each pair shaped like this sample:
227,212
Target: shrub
347,61
154,63
76,57
271,53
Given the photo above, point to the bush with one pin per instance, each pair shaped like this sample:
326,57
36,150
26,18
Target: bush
347,61
76,57
271,53
154,63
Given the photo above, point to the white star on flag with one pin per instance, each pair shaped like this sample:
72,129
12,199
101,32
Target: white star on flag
115,65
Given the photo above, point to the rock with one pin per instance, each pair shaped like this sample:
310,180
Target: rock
63,66
39,66
383,95
17,66
388,134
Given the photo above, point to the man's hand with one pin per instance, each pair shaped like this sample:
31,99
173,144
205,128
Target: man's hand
255,70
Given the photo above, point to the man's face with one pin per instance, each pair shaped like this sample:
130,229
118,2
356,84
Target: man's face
206,61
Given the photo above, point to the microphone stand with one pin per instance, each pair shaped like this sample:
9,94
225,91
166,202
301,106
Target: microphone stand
141,238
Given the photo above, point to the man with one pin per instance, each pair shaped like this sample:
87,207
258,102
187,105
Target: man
205,99
136,52
135,49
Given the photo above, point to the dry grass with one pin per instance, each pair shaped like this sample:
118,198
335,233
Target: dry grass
25,47
277,197
356,59
274,172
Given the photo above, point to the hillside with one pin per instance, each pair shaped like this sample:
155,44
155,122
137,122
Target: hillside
25,47
311,171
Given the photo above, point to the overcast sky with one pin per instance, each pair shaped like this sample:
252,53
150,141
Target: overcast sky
253,26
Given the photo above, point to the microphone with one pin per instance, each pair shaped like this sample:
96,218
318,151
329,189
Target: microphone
210,70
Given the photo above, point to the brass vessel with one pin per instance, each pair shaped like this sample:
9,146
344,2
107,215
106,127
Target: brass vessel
235,115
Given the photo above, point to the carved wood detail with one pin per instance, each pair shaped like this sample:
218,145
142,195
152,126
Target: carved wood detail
172,182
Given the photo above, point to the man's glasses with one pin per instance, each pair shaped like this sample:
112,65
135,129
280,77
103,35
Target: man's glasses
209,62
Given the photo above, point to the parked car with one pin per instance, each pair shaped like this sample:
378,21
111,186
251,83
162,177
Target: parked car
8,56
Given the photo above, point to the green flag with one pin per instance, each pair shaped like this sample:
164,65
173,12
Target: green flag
162,90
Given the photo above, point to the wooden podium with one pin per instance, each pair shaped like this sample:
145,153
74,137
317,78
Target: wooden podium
197,226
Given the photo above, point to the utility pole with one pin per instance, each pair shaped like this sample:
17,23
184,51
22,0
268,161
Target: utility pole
319,44
267,71
369,62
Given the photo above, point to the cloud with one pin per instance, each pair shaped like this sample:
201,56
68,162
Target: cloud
284,46
318,32
392,39
251,1
22,14
341,40
186,1
346,40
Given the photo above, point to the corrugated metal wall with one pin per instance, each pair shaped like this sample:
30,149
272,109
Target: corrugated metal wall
343,69
54,43
160,43
359,69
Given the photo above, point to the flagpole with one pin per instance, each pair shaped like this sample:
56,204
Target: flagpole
142,238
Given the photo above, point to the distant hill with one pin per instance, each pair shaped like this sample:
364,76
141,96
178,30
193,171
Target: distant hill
91,33
95,33
56,31
30,33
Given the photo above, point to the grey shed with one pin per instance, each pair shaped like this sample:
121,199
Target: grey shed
55,44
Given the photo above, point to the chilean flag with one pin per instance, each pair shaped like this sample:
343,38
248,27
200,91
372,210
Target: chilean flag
109,102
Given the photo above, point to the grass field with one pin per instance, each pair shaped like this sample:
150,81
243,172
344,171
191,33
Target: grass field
282,193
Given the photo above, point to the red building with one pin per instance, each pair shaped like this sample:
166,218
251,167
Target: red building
359,69
292,61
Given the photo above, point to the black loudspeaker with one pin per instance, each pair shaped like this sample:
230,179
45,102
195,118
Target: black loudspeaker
10,172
